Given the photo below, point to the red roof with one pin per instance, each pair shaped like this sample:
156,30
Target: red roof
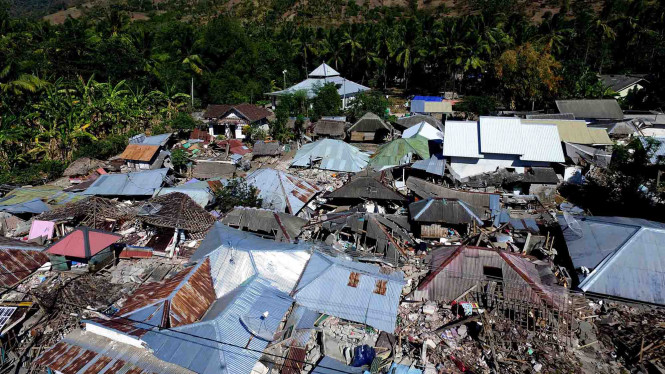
83,243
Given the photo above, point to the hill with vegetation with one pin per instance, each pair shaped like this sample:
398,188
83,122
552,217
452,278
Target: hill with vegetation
86,84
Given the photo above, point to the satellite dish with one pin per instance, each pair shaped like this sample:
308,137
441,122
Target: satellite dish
256,325
573,224
273,202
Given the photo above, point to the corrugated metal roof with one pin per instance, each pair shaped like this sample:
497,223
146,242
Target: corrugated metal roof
575,131
235,256
370,122
238,322
140,152
414,119
400,151
334,155
81,352
532,142
324,287
591,109
281,191
551,116
435,165
324,70
461,139
634,268
428,98
18,260
344,86
50,194
202,192
142,183
283,226
366,187
34,206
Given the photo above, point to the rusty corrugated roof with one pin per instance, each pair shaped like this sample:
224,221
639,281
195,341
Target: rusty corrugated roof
140,152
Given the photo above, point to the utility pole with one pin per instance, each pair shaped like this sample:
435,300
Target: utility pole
192,93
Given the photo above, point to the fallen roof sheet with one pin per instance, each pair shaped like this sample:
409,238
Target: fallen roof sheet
202,192
83,242
578,153
435,165
658,149
142,183
334,155
82,352
24,199
281,191
324,287
82,166
140,152
231,336
591,109
437,210
480,202
237,256
34,206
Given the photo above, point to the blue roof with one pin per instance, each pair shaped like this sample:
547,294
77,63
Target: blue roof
403,369
427,98
329,365
35,206
324,287
236,321
160,139
142,183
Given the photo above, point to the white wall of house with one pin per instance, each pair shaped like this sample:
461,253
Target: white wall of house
624,92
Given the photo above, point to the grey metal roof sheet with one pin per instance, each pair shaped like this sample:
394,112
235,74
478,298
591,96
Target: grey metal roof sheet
435,165
239,324
563,116
366,187
414,119
334,155
659,149
344,86
281,191
591,109
34,206
370,122
618,82
324,287
142,183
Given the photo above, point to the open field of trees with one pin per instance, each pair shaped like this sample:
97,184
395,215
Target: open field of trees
85,85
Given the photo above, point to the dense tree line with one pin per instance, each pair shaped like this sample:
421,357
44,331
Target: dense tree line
68,86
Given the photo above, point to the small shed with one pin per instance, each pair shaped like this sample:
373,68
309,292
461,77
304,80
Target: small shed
83,245
370,127
329,128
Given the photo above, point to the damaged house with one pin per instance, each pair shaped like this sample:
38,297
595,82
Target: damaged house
229,120
85,246
269,224
147,152
368,188
435,217
331,154
488,273
400,151
269,149
280,191
135,184
350,290
330,128
495,143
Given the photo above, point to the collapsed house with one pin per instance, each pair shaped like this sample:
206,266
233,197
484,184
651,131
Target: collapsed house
29,201
616,256
279,226
18,260
495,143
365,187
202,192
331,154
147,152
370,128
263,148
93,211
433,166
510,277
281,191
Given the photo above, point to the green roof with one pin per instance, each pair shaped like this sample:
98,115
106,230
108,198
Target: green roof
49,194
392,153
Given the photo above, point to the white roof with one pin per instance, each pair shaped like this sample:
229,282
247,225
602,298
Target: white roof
423,129
324,70
344,86
461,139
503,136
